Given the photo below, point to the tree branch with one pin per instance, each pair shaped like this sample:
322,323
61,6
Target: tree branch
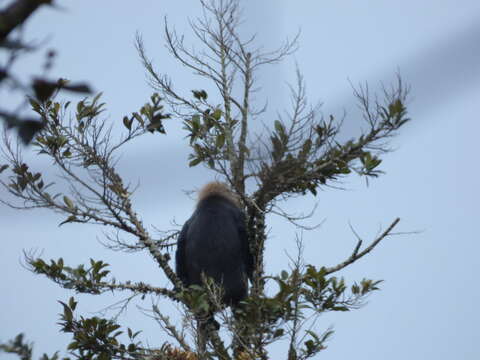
357,255
16,14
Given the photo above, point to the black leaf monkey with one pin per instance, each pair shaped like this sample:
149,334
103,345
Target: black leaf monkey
214,242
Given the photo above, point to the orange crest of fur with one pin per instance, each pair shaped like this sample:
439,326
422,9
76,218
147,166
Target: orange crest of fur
219,189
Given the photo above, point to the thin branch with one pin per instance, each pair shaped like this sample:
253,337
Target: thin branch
357,255
170,329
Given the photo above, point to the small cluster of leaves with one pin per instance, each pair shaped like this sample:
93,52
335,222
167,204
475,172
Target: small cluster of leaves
341,161
196,298
56,139
19,347
76,144
81,279
97,338
330,294
314,343
23,177
370,162
78,140
23,350
207,136
298,293
395,115
203,300
150,117
320,158
280,139
262,315
300,163
200,95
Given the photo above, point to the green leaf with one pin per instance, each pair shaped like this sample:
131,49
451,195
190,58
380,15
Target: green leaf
200,94
71,302
279,127
195,162
396,107
127,122
310,346
220,141
68,202
313,335
278,333
35,105
71,218
67,312
217,114
138,118
195,123
306,147
67,153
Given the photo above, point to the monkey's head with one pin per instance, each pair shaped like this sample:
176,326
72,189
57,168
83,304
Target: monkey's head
216,188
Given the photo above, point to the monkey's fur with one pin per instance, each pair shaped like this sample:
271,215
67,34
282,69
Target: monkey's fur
214,242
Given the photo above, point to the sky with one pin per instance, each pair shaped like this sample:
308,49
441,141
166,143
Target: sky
427,308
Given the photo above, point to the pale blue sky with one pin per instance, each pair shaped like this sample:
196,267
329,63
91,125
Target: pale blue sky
427,308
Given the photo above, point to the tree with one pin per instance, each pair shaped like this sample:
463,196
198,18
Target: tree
296,154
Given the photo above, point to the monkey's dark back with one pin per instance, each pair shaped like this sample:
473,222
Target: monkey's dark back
216,244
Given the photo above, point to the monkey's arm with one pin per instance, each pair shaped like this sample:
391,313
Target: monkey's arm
180,260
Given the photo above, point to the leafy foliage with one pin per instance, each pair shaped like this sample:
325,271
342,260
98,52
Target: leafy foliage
24,350
97,338
79,278
301,295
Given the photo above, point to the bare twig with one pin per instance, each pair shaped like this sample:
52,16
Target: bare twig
170,329
357,255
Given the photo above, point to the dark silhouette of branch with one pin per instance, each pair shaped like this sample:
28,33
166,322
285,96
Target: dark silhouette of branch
17,13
